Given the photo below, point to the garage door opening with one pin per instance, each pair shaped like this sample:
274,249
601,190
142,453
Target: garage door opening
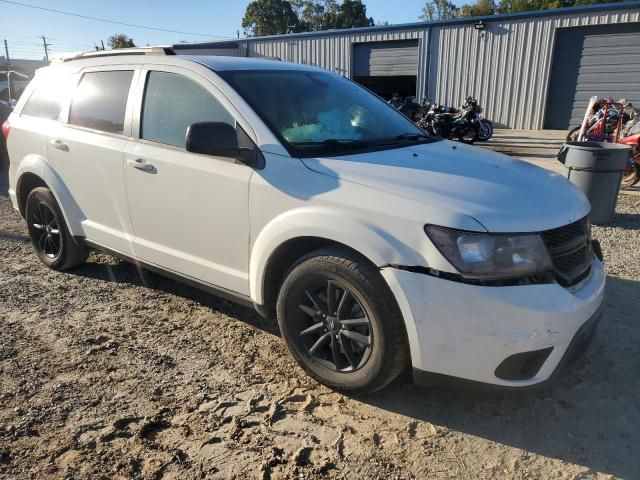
405,85
387,67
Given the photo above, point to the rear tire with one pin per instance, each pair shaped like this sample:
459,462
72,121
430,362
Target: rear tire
50,237
354,343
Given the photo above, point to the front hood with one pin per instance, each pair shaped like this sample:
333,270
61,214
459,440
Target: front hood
503,194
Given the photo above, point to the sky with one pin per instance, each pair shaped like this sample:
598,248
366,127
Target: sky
23,27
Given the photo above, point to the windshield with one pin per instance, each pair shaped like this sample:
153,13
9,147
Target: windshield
322,114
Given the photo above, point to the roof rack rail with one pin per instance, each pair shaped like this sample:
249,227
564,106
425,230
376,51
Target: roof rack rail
119,51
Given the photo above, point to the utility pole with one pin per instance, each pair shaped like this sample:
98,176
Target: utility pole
46,50
6,51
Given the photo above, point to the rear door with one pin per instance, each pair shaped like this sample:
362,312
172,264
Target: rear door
88,153
189,211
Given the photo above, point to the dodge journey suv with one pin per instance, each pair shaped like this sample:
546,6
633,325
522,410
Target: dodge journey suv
298,192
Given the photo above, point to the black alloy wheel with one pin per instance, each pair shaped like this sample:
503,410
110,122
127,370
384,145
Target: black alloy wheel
50,237
44,230
341,321
333,326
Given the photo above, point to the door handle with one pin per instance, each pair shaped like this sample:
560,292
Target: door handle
140,164
59,144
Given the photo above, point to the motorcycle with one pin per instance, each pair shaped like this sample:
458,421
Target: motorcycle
396,101
447,122
603,121
607,120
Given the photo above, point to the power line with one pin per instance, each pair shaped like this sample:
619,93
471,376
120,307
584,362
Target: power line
57,41
109,21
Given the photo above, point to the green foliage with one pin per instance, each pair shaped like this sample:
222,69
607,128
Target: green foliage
352,14
272,17
269,17
438,10
313,15
120,40
508,6
435,10
478,9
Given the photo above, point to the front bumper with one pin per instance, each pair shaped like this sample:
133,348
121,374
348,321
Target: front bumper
468,331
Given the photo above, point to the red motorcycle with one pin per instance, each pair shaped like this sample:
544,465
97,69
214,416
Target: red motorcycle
631,137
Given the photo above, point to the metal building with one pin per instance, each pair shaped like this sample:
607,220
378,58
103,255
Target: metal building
529,70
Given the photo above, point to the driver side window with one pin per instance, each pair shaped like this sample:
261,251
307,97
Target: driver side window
171,103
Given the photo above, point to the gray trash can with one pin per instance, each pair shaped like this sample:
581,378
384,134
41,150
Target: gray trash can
596,168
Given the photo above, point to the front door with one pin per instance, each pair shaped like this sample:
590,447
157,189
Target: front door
189,211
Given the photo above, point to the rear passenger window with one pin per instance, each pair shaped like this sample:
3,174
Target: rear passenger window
100,101
50,93
172,102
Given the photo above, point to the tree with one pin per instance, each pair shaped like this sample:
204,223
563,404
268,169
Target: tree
438,10
120,40
478,9
269,17
443,9
314,15
352,14
307,16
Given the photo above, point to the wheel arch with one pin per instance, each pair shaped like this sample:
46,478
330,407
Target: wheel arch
36,172
281,260
294,234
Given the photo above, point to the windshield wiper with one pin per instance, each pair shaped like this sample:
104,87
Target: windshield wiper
403,137
336,141
411,136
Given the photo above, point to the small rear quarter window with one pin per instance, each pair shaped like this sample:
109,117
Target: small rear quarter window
48,97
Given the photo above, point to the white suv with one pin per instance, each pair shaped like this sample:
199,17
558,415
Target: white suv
295,190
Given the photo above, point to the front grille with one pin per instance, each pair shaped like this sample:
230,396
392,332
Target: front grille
558,236
570,250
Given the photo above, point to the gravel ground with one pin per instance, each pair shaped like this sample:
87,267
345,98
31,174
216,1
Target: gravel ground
620,238
107,372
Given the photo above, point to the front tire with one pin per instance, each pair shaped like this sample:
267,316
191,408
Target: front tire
50,237
572,136
486,130
341,321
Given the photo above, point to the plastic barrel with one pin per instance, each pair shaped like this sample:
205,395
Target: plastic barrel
596,168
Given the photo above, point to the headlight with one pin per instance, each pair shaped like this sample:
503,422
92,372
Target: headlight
484,255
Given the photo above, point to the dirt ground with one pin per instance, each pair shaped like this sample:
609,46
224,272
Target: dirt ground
107,372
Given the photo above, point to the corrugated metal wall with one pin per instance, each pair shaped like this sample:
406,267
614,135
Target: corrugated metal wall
334,52
506,67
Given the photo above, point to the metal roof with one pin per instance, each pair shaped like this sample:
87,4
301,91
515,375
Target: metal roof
220,64
422,25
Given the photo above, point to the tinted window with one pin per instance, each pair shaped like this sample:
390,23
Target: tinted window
50,93
317,113
100,101
172,102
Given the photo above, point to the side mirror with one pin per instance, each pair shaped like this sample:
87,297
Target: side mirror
213,138
222,140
